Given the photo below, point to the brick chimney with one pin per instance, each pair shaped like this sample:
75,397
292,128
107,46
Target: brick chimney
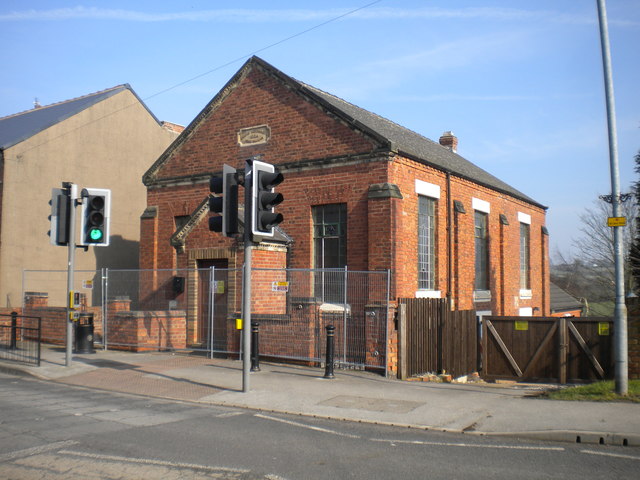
450,141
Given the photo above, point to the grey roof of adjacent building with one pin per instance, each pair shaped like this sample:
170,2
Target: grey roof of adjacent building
562,301
21,126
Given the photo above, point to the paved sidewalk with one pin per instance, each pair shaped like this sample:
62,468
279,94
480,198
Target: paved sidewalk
478,409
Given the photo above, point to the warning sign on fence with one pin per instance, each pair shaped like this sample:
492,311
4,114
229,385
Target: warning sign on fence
603,329
280,286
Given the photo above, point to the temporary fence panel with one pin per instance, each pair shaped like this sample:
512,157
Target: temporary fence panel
199,309
45,296
293,308
179,309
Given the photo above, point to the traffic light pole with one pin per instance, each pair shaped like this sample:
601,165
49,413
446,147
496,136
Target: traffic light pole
246,281
73,190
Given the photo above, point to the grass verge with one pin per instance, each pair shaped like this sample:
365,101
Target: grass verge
597,392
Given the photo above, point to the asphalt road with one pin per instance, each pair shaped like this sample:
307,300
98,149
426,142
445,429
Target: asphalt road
54,431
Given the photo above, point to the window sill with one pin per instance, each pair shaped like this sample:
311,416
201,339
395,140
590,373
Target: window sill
525,294
481,295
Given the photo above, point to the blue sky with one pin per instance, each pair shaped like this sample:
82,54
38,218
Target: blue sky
519,82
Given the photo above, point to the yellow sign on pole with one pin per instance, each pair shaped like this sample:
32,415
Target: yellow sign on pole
616,221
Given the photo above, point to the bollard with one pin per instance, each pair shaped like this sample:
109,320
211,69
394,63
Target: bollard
14,327
255,350
328,366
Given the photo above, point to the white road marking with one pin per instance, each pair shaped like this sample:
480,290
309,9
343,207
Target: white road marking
147,461
28,452
471,445
229,414
605,454
309,427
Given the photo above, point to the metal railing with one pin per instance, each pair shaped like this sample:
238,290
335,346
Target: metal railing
20,337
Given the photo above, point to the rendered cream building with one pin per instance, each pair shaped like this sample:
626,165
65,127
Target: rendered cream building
102,140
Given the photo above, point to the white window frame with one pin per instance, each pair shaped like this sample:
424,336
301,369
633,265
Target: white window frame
430,190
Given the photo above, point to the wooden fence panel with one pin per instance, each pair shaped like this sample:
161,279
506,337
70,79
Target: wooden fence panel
590,348
460,342
546,349
437,339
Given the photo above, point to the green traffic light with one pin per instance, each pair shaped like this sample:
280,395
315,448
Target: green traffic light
95,234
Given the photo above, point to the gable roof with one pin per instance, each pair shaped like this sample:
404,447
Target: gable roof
563,301
393,136
413,145
21,126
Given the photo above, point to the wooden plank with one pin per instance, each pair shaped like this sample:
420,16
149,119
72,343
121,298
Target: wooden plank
503,347
563,349
585,348
539,350
402,341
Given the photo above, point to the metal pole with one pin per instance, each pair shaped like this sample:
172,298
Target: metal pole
328,366
620,311
255,342
212,307
344,320
73,191
246,281
13,342
386,328
105,307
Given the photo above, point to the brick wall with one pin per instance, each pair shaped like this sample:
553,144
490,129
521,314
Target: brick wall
504,243
54,319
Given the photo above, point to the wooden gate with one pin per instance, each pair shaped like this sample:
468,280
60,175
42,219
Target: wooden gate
433,339
547,349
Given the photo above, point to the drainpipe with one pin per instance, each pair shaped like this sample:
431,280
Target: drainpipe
449,242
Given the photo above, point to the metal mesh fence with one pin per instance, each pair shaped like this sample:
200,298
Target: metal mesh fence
197,309
45,296
294,307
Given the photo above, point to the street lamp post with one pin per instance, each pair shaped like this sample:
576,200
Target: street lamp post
620,311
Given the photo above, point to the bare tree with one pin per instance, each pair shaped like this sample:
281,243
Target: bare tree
634,251
595,249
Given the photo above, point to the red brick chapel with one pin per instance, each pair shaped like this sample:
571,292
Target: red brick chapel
360,191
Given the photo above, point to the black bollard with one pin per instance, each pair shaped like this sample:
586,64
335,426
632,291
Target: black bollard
255,351
328,366
14,327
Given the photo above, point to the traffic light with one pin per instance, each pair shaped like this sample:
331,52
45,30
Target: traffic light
265,177
94,227
59,219
226,203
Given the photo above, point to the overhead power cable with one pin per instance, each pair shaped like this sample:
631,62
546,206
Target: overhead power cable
219,67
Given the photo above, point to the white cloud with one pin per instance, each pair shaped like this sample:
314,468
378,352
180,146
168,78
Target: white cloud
303,15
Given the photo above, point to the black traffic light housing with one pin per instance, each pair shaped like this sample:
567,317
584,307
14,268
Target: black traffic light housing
95,220
264,178
225,204
60,215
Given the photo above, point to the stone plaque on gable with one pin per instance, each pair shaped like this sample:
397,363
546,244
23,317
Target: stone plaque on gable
248,137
